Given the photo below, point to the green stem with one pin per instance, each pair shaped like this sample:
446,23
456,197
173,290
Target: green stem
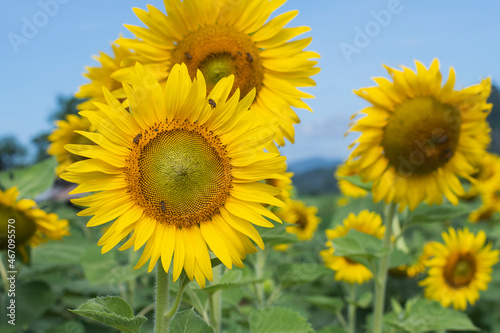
130,286
177,301
3,272
215,302
260,264
352,308
381,278
162,300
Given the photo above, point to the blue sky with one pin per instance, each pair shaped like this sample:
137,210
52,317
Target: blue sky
50,60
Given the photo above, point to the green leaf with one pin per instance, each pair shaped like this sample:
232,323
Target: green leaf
358,246
187,322
399,258
232,279
30,181
438,213
32,300
422,315
298,273
332,329
356,180
67,251
331,304
112,311
272,320
276,235
365,300
68,326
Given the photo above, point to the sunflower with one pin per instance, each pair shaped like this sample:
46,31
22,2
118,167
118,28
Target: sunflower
65,134
304,219
229,37
346,187
487,185
101,77
461,267
180,171
420,264
285,185
418,137
32,225
347,270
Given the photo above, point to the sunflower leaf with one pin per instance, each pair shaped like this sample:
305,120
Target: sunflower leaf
356,180
188,321
422,315
332,304
276,319
298,273
30,181
428,214
112,311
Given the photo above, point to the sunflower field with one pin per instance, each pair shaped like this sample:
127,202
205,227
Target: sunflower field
167,204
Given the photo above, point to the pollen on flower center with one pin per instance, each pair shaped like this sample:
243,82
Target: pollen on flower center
421,135
179,173
219,51
459,271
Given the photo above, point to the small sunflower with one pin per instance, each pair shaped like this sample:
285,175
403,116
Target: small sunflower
418,137
101,77
32,225
347,270
180,171
65,134
420,264
487,185
223,38
304,219
461,267
284,184
346,187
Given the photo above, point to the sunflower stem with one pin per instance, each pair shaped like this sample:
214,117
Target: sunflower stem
162,300
352,308
215,300
130,286
381,278
260,263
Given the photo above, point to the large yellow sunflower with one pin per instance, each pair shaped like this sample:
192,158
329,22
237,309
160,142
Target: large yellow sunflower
180,171
221,38
345,269
31,224
461,267
418,137
304,219
101,77
65,134
487,185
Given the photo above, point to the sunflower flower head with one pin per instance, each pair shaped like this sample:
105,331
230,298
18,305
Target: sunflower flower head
33,225
222,38
180,171
284,184
304,219
345,269
67,133
487,185
419,136
101,77
420,264
460,268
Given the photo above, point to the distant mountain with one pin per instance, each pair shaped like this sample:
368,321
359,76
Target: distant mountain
312,164
314,176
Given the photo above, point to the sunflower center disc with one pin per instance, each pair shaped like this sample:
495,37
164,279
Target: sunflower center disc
460,270
24,226
218,52
421,136
179,175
